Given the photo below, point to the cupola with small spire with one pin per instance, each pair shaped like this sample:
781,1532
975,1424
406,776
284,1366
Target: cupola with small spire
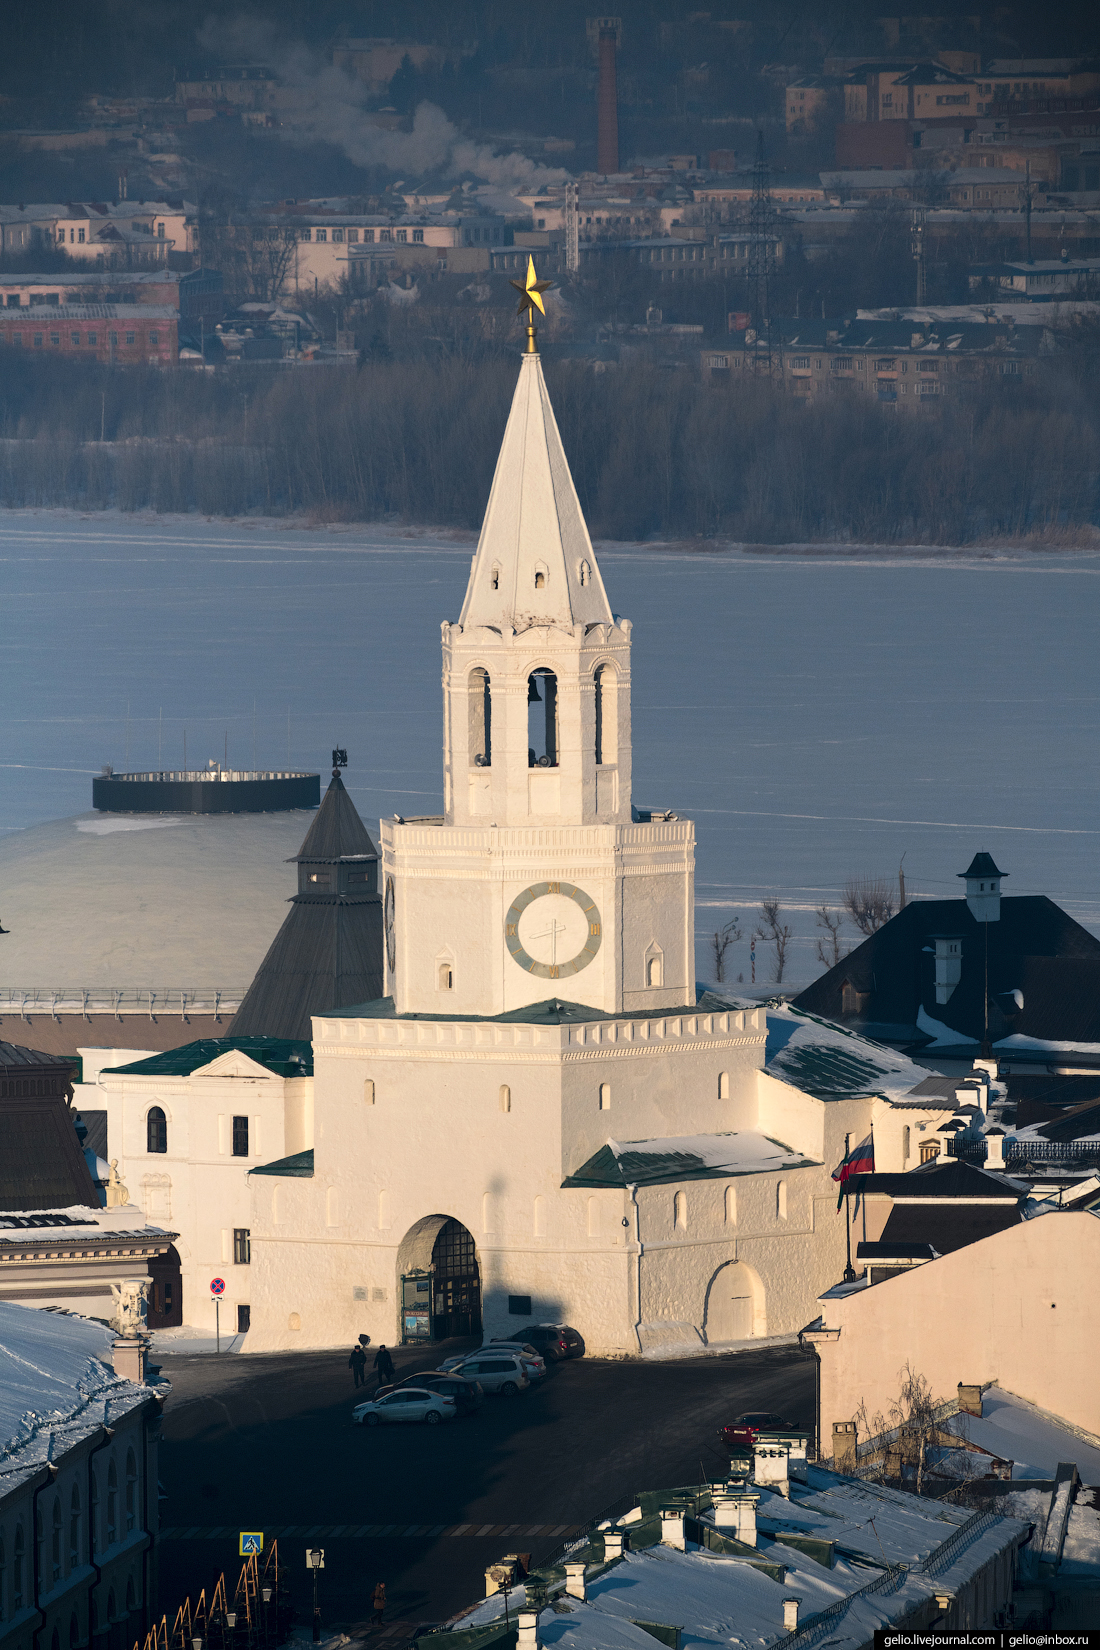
983,888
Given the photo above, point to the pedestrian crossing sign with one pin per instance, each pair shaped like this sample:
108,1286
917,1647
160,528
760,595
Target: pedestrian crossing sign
252,1543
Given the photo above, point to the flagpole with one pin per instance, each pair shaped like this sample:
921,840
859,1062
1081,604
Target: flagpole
849,1270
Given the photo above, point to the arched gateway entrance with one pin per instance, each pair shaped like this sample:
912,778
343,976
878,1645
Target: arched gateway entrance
439,1281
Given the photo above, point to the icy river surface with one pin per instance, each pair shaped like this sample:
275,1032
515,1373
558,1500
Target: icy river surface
818,715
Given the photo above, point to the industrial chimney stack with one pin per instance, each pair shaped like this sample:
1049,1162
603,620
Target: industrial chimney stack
607,129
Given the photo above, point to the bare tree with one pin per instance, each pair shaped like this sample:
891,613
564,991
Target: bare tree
721,940
902,1438
828,944
776,933
870,902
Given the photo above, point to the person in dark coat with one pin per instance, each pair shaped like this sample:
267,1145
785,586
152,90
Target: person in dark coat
357,1363
383,1364
379,1595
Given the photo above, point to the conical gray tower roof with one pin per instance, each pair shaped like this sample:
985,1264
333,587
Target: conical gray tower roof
328,953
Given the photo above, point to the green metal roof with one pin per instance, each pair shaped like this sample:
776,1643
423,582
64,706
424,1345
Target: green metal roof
299,1166
276,1053
825,1071
661,1165
554,1011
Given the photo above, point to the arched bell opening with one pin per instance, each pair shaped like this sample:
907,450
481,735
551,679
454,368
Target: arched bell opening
542,719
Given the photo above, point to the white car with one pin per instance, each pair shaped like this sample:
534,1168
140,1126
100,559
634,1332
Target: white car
497,1371
407,1403
534,1364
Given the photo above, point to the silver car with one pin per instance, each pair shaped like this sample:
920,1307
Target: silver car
501,1372
406,1403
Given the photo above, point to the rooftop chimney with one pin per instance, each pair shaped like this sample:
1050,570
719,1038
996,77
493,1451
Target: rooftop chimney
995,1149
607,107
614,1544
574,1579
528,1635
672,1527
790,1613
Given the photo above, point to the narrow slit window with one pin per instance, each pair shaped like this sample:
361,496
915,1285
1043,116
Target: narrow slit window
480,714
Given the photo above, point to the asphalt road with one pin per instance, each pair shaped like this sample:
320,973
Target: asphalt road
254,1443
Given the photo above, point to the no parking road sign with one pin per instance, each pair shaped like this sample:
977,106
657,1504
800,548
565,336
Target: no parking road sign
217,1286
252,1541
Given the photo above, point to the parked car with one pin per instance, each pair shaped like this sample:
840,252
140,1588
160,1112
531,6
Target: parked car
407,1403
743,1432
533,1362
468,1395
501,1372
554,1341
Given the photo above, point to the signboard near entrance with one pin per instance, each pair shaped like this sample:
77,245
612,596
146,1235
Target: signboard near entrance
416,1307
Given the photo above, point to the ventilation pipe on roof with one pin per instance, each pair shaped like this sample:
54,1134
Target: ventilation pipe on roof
790,1614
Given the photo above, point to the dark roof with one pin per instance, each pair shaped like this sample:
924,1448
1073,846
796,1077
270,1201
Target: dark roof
42,1165
299,1166
337,832
1035,947
951,1181
895,1251
285,1056
328,952
982,865
1074,1124
552,1012
11,1054
947,1226
1044,1099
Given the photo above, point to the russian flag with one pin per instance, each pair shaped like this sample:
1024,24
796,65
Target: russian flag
859,1160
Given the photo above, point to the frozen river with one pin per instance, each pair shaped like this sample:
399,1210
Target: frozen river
818,715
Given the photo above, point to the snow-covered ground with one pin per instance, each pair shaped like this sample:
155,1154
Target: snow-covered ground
818,714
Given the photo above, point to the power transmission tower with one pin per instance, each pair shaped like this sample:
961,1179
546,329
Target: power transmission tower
760,266
572,228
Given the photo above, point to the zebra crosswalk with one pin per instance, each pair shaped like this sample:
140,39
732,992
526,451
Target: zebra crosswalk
377,1532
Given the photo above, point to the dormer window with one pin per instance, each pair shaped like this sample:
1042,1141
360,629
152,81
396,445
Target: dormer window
494,577
586,574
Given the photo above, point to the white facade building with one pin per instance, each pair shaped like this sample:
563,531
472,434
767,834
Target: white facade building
543,1119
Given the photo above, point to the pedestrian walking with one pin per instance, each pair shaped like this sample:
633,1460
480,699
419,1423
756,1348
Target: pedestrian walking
357,1363
383,1363
379,1597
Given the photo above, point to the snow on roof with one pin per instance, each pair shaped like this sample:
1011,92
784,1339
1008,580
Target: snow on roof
1034,1442
831,1063
685,1157
55,1374
726,1600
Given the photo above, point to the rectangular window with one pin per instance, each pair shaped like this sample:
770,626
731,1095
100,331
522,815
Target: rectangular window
80,237
240,1137
368,237
74,337
17,338
402,235
242,1245
337,234
385,234
244,1319
843,363
800,363
306,234
418,236
14,300
160,231
93,337
322,235
519,1306
114,340
353,234
129,337
154,339
38,340
55,338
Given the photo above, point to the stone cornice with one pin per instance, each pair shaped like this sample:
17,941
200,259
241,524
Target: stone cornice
453,1054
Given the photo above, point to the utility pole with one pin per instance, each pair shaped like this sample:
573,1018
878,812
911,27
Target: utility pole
572,228
760,266
916,246
1027,208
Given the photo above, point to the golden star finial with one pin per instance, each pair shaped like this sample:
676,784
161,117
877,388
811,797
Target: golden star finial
531,290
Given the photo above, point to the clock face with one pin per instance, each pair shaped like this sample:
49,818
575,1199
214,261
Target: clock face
390,925
553,929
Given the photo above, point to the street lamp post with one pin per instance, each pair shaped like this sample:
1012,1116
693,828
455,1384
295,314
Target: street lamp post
315,1561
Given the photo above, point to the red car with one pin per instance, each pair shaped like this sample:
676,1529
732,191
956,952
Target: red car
744,1431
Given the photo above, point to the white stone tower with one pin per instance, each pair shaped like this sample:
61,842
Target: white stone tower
540,880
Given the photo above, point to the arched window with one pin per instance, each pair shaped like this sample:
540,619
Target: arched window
480,718
112,1505
586,573
607,685
74,1528
156,1130
494,577
680,1211
730,1209
781,1200
55,1540
605,1096
131,1491
93,1516
654,968
446,977
542,719
723,1085
17,1556
505,1097
540,577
